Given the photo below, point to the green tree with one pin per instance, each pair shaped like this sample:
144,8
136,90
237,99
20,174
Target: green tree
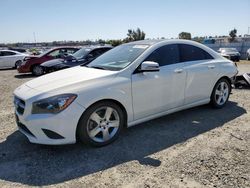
114,42
134,35
185,35
233,35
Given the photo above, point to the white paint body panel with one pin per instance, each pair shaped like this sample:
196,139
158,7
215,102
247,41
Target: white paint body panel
10,61
143,95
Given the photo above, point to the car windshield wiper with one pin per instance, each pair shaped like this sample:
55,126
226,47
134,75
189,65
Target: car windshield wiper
96,67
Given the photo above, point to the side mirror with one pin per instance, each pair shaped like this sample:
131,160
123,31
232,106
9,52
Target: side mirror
149,66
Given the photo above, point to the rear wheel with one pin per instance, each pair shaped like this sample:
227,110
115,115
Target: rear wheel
101,124
37,70
220,93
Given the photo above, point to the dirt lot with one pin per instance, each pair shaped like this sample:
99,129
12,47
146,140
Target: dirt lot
201,147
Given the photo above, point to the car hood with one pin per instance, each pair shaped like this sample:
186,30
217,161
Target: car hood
68,78
52,62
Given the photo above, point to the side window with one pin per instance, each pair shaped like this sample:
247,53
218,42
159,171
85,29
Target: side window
7,53
71,50
165,55
103,50
193,53
54,53
96,53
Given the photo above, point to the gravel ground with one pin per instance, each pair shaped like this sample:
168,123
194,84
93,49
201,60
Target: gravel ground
199,147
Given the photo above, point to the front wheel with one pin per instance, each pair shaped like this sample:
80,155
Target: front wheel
37,70
18,63
100,124
220,93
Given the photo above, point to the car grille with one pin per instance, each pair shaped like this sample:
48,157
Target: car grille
19,105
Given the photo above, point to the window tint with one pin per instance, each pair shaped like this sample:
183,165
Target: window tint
94,53
98,52
55,53
7,53
192,53
165,55
71,50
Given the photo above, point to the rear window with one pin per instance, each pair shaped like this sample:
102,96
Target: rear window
192,53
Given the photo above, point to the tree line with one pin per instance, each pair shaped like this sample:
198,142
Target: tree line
132,35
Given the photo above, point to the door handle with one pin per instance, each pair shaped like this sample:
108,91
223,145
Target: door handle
178,70
211,66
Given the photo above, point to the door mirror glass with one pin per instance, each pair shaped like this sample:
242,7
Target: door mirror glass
149,66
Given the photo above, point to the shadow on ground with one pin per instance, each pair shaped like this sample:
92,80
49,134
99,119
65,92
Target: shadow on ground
22,76
6,69
38,165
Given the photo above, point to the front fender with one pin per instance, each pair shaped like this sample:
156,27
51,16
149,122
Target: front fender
120,91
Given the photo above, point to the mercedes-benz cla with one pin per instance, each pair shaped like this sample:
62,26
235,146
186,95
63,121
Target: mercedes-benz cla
129,84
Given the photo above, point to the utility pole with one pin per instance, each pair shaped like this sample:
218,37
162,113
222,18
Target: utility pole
34,34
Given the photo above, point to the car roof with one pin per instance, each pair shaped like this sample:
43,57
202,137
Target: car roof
146,42
96,47
10,51
165,41
62,47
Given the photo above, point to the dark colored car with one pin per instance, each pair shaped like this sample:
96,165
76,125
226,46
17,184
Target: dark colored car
230,53
32,63
82,56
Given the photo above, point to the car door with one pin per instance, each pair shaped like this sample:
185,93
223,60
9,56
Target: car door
155,92
201,73
8,59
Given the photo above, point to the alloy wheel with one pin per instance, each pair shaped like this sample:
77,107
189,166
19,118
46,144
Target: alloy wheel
37,70
103,124
221,93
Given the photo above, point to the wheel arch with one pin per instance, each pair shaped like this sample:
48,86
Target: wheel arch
105,100
18,60
223,77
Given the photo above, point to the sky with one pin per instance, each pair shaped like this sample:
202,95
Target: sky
55,20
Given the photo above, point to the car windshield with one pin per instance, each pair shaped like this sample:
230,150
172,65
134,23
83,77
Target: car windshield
81,53
119,57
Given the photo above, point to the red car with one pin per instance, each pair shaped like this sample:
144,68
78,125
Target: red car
32,63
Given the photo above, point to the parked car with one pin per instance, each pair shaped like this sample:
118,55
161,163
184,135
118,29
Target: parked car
82,56
21,50
32,63
230,53
10,58
130,84
248,54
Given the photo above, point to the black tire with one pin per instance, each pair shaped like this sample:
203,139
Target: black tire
213,100
18,63
82,128
37,70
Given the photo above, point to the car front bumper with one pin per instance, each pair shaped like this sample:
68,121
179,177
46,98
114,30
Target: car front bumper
50,129
23,69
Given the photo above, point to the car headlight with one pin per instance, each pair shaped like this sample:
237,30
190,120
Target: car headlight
53,105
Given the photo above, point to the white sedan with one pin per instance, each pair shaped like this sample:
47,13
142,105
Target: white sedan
130,84
9,58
